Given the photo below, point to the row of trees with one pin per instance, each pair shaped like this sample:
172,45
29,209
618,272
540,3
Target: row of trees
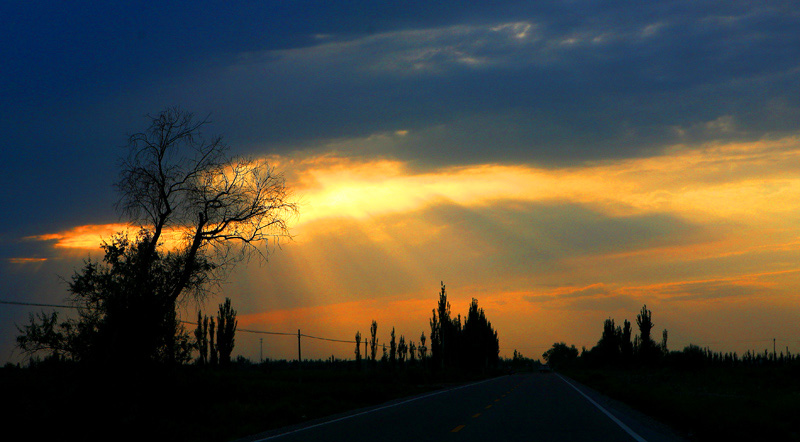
696,356
617,345
472,346
219,352
399,351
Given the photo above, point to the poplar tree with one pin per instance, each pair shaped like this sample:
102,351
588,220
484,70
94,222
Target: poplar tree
213,355
201,338
358,349
373,340
226,331
392,349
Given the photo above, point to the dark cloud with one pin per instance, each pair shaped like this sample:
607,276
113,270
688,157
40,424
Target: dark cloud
535,87
556,84
579,292
715,290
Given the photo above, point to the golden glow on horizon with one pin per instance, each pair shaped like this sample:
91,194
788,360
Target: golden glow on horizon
91,236
26,260
367,241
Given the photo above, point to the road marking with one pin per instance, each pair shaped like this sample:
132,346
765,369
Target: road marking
488,406
497,400
606,412
475,415
435,393
457,429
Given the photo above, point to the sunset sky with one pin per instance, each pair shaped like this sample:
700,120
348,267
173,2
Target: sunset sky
562,162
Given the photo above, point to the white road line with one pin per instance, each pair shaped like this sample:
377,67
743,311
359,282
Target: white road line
606,412
374,410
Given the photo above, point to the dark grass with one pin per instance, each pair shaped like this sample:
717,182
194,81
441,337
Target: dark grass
709,404
192,404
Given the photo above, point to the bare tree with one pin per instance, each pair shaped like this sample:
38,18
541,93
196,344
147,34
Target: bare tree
225,208
174,179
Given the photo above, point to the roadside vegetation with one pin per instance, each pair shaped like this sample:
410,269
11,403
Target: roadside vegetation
704,395
59,400
210,397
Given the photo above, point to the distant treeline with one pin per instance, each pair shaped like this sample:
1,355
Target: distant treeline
454,344
618,348
469,345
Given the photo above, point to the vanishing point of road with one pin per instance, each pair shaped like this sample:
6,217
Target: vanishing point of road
520,407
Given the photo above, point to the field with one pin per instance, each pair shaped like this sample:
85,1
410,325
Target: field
712,403
191,404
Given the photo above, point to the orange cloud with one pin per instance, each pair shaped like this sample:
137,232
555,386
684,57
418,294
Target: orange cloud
91,236
753,182
26,260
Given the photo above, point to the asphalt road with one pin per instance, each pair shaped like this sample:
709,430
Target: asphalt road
521,407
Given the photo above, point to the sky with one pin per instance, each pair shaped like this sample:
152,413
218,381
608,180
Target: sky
562,162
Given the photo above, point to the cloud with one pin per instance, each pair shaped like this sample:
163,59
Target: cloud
536,86
563,293
746,182
92,236
26,261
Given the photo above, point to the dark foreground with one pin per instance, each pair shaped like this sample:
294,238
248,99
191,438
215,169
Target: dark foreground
520,407
191,404
264,403
716,403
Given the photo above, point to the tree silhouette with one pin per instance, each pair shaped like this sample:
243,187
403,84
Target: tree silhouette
124,315
226,331
444,332
173,180
626,345
646,348
402,350
560,355
358,349
423,350
213,351
474,346
608,348
436,341
392,349
480,344
201,338
175,177
373,340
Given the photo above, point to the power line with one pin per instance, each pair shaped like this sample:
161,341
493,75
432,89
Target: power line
244,330
39,305
328,339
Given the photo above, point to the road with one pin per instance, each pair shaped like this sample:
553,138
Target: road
521,407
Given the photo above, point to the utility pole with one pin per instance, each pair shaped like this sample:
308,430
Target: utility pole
299,357
774,353
261,350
